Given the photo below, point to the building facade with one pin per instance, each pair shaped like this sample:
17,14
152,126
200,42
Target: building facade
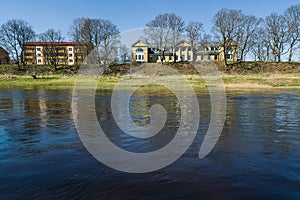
4,56
62,53
211,51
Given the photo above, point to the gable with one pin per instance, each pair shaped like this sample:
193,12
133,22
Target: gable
140,43
183,44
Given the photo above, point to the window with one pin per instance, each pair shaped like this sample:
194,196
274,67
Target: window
38,49
151,58
139,57
229,48
70,49
189,57
229,56
216,57
182,58
39,60
176,57
202,57
208,57
39,55
29,49
142,57
170,57
70,60
139,50
79,54
157,58
70,55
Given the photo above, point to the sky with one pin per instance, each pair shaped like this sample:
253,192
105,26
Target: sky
128,14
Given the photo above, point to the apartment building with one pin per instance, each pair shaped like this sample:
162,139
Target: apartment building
4,56
144,52
62,53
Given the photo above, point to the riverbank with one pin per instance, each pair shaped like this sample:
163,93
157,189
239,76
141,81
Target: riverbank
230,81
245,75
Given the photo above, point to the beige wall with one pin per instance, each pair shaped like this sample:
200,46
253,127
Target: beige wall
142,45
184,53
33,55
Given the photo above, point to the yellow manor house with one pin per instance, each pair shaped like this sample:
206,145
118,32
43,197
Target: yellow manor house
62,53
144,52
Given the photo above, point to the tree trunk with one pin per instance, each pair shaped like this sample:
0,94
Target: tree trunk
291,53
225,52
174,57
241,57
162,58
225,60
267,55
18,59
23,60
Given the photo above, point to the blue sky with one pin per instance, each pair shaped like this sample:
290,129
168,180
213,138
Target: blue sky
129,14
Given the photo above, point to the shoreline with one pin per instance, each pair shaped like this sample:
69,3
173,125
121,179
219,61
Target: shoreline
230,82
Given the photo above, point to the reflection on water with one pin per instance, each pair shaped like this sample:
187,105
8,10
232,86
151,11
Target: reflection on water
257,156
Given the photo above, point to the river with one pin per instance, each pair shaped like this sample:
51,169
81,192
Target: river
256,157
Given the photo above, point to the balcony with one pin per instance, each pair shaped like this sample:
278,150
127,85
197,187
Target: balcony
29,51
62,57
29,57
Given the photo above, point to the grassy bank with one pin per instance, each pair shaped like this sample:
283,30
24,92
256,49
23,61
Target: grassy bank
230,81
235,76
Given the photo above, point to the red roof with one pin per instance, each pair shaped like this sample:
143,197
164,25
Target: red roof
52,43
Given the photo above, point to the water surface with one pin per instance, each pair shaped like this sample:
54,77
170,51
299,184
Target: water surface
257,156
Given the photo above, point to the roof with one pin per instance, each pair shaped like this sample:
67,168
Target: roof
208,44
3,51
141,43
52,43
183,43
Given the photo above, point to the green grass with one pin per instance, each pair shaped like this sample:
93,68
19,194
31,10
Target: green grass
291,80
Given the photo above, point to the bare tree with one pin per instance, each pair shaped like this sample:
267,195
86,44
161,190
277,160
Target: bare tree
76,28
109,41
124,53
260,45
157,33
102,35
194,31
226,25
177,27
164,32
14,34
245,35
277,30
82,31
292,16
52,49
